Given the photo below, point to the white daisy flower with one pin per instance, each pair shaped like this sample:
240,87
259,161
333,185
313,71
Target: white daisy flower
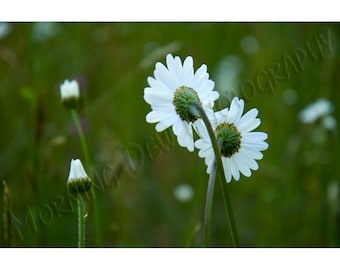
240,146
173,88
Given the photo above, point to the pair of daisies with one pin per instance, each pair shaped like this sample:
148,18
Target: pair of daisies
176,86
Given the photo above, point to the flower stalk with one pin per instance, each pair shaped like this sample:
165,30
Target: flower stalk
81,221
208,207
88,165
197,109
76,121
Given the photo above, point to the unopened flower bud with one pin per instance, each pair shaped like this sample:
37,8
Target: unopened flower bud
69,92
78,181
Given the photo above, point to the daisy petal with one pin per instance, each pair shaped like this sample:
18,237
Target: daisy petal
186,139
234,169
188,70
251,153
178,127
227,169
236,110
152,117
255,136
166,122
165,77
151,96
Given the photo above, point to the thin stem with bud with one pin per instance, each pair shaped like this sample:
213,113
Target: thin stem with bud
89,168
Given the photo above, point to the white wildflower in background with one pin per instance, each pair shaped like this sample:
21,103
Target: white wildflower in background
173,88
249,44
319,112
240,146
333,195
290,97
329,122
184,192
5,29
78,181
69,89
318,109
69,93
42,31
227,76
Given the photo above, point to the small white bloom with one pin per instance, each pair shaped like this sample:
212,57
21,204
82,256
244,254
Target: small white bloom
77,171
290,97
44,30
333,194
5,29
69,92
173,88
249,44
314,111
78,181
329,122
240,146
184,192
227,76
69,89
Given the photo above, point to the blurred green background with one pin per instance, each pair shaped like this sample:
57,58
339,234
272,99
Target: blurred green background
150,191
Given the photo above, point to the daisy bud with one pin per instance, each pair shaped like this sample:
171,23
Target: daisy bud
78,181
69,92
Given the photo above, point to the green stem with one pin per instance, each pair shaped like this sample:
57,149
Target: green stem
208,206
81,221
89,169
82,141
196,108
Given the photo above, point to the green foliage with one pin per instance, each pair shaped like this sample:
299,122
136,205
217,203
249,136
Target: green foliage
292,200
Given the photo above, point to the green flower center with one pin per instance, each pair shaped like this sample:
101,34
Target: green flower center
230,138
183,98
